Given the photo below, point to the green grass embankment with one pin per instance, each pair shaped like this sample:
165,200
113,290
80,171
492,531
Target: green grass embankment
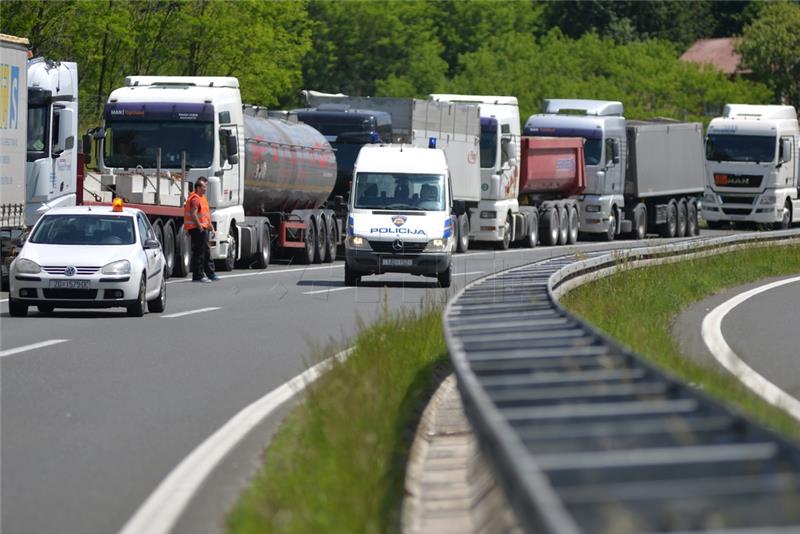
338,462
637,307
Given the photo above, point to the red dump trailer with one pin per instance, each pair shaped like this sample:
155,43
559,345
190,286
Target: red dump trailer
551,175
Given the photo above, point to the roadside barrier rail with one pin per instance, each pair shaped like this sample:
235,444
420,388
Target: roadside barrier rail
585,436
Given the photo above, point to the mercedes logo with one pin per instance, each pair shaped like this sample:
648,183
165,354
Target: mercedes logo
70,271
397,245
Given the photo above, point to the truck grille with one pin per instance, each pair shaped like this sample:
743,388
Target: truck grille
736,211
72,294
738,200
59,269
408,247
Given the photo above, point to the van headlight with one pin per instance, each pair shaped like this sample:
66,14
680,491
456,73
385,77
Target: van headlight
25,266
437,245
117,267
357,242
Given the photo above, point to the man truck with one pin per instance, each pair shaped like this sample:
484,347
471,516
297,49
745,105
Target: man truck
267,177
640,175
752,167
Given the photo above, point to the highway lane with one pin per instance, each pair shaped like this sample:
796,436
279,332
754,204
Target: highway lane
91,425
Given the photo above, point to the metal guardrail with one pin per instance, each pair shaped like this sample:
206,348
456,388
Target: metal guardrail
585,436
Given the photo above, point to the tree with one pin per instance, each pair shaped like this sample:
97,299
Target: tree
770,48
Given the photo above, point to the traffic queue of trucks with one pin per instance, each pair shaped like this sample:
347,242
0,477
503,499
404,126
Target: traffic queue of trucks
278,181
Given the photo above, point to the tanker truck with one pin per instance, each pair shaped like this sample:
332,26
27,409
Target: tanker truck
268,178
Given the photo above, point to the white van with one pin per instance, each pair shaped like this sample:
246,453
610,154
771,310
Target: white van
400,214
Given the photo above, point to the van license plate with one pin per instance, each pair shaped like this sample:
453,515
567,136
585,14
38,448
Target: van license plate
397,262
69,284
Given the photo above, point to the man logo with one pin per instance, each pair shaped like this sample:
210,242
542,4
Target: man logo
399,220
70,271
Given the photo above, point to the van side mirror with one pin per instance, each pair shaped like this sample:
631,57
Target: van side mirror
785,154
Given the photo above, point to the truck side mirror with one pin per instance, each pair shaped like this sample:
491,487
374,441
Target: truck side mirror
785,150
63,120
86,148
232,148
615,151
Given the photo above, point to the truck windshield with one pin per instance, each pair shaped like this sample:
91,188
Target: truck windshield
335,126
37,128
84,230
133,143
423,192
749,148
488,147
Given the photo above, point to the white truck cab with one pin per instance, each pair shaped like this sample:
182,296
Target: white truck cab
752,166
400,214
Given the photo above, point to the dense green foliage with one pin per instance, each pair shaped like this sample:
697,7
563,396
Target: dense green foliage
646,301
352,431
624,50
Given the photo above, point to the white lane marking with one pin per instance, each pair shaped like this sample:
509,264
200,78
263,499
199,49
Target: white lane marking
471,272
328,290
191,312
712,336
266,272
33,346
159,513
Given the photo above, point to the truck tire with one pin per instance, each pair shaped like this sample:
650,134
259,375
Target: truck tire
611,231
330,251
462,244
551,221
574,225
682,219
670,228
533,231
17,308
444,277
640,222
264,254
504,243
230,258
158,229
692,222
322,240
183,254
45,308
786,219
305,256
169,248
563,225
351,278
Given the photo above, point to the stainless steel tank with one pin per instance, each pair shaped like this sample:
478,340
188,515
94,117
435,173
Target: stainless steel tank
287,165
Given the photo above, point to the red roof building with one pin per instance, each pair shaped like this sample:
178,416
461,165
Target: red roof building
717,52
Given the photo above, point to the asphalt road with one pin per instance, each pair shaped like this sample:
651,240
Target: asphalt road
91,425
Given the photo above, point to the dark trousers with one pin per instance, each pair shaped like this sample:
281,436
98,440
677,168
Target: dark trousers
201,254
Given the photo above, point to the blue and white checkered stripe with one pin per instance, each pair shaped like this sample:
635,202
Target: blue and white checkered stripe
448,228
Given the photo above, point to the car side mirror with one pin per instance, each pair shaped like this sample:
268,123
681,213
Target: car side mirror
151,244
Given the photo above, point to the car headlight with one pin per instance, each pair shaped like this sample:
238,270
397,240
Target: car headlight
437,245
593,208
768,199
25,266
488,215
117,267
357,242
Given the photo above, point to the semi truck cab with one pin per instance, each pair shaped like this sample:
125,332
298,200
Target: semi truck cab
752,167
400,214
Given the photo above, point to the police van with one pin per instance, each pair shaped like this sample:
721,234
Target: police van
400,214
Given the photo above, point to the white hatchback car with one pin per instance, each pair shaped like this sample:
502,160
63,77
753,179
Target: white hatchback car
89,257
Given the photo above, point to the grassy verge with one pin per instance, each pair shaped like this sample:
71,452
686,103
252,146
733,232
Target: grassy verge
637,307
338,463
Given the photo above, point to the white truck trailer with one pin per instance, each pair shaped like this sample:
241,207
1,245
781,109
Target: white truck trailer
453,127
752,167
640,175
267,177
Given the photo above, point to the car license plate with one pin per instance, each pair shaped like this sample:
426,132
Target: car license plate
397,262
69,284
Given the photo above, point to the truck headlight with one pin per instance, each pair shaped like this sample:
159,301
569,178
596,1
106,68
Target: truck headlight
437,245
357,242
488,215
768,200
117,267
593,208
24,266
709,198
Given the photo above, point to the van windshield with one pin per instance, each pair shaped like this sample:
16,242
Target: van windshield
746,148
400,191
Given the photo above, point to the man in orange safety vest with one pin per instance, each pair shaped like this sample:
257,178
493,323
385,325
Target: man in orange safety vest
197,221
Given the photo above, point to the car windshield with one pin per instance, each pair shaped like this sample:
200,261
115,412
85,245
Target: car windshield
78,229
401,191
132,143
757,148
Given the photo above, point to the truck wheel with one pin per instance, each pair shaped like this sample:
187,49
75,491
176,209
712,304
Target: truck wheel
322,240
574,225
504,243
230,259
351,278
306,255
786,219
670,228
640,223
463,233
533,231
45,308
612,225
551,221
17,308
692,224
262,259
137,308
444,277
563,226
169,248
158,229
330,251
159,304
682,216
183,253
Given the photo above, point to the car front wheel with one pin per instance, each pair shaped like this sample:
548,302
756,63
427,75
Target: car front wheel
17,308
159,304
137,308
